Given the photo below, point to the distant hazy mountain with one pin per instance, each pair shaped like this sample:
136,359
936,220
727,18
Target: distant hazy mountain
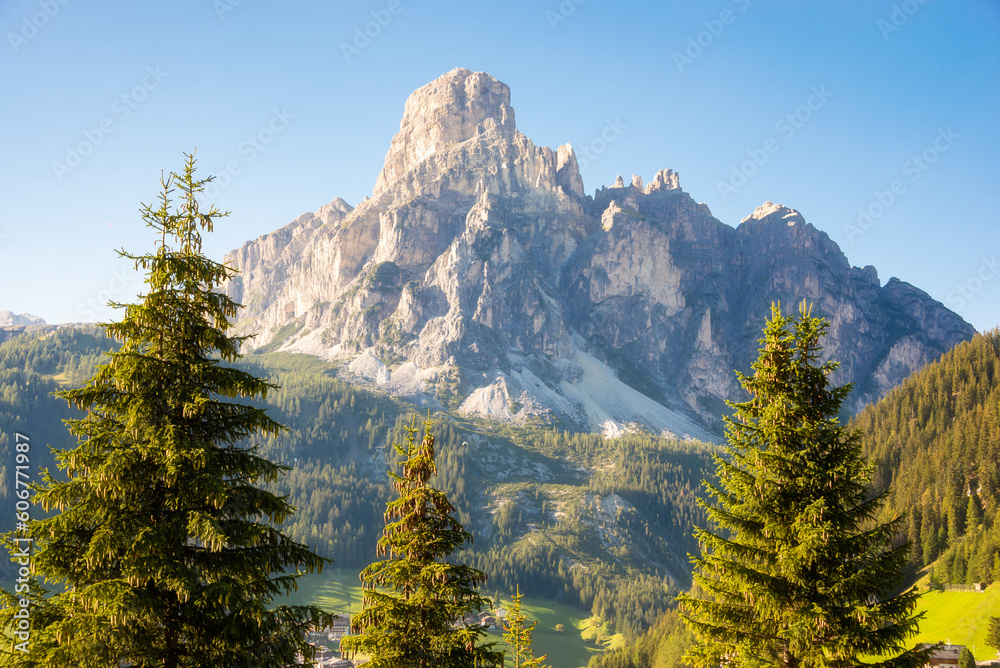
7,318
480,276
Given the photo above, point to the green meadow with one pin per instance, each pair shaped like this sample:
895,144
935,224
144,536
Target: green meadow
960,617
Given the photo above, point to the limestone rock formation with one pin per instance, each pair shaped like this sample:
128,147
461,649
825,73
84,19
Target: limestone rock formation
480,277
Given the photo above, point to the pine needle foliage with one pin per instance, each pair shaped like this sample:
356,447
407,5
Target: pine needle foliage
798,571
517,634
162,544
993,633
415,600
936,441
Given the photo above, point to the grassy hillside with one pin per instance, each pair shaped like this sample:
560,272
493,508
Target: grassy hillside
960,617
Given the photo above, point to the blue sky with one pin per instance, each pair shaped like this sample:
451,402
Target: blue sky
835,109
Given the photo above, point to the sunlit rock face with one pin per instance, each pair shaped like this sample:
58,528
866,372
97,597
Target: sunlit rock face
479,276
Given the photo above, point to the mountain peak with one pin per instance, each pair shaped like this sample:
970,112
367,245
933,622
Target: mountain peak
333,211
9,318
454,108
770,212
479,276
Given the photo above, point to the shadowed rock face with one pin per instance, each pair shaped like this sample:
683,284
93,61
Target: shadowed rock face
480,275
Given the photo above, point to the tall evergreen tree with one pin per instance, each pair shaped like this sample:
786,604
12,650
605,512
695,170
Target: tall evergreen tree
798,573
517,634
165,549
415,601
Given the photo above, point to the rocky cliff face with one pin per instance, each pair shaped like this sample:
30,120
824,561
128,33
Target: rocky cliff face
480,276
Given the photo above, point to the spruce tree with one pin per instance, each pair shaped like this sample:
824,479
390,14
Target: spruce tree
966,659
798,571
993,634
160,541
517,634
415,600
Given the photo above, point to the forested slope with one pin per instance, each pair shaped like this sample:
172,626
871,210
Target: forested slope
603,524
936,442
31,368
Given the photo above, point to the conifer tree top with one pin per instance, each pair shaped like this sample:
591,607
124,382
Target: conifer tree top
797,571
416,599
165,547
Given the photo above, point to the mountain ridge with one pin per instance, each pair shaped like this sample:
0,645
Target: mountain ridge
11,319
480,276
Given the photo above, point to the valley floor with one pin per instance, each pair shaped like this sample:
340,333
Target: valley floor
960,618
339,591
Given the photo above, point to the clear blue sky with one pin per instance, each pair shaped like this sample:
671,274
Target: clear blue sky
834,100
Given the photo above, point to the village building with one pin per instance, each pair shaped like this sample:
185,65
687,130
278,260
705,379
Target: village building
945,656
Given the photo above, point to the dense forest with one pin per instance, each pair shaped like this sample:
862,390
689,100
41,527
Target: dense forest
935,441
662,646
536,500
601,524
31,368
935,444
